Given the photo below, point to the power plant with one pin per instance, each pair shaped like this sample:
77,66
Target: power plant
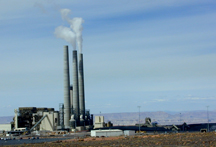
72,115
75,114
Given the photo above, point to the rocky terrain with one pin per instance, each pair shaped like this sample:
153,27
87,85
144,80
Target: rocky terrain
158,140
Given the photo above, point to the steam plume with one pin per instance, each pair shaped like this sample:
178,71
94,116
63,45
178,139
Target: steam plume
75,27
65,13
66,34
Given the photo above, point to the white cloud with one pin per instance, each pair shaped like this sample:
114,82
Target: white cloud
199,98
160,100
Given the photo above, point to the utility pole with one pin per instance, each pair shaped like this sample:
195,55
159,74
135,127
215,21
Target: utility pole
139,117
207,119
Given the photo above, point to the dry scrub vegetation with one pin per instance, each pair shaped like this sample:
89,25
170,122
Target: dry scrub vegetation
160,140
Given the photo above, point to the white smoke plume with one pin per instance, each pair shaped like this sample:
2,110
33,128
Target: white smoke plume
65,13
75,27
66,34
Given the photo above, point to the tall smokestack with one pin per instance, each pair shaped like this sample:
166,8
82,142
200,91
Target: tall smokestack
66,88
81,90
75,88
71,98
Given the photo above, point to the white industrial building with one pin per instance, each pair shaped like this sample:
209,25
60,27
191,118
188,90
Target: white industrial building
50,121
99,122
106,133
111,132
129,132
5,127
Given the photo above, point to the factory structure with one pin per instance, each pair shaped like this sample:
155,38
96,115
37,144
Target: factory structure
72,114
75,114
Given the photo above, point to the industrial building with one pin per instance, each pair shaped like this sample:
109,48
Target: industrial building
72,115
5,127
112,132
34,118
100,123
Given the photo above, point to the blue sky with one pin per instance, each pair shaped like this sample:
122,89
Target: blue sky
159,55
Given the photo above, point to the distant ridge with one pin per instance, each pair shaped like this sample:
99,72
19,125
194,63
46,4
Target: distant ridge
163,118
6,119
131,118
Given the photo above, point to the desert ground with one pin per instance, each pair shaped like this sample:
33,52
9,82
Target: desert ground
161,140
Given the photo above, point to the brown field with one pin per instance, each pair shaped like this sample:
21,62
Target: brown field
160,140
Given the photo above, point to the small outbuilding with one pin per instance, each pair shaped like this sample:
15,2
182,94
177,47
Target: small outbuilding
5,127
106,133
129,132
99,122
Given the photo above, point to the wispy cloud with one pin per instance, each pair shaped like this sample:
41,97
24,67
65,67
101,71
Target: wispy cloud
160,100
199,98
